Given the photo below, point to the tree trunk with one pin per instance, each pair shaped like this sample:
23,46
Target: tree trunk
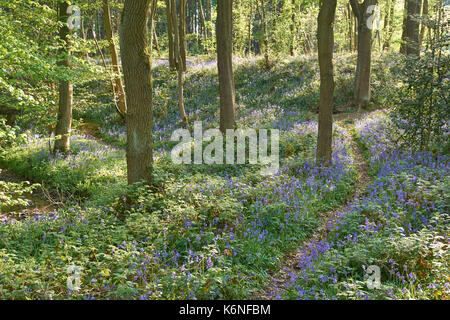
182,32
111,77
178,61
292,29
224,34
153,7
350,27
412,27
265,33
325,37
249,34
355,33
205,31
390,24
137,72
115,60
362,76
64,124
155,37
170,35
209,14
410,36
423,22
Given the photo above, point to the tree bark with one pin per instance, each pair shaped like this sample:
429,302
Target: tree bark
292,29
182,32
155,37
209,14
170,35
325,37
111,78
265,33
249,34
355,33
362,76
423,22
115,60
410,36
205,31
153,7
64,124
178,61
224,34
136,65
390,25
350,27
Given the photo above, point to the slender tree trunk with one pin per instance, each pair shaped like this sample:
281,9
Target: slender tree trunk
178,61
209,14
390,25
137,72
265,33
205,31
155,37
115,60
386,18
350,27
292,29
405,15
423,22
224,34
362,76
170,34
182,32
355,33
153,7
84,35
64,124
111,77
249,34
325,37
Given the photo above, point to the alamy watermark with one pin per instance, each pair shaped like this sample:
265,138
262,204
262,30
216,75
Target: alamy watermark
74,278
236,151
74,21
374,20
374,277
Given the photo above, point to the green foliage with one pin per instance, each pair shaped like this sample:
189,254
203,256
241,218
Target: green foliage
400,224
422,106
29,73
77,175
214,232
9,136
13,195
422,103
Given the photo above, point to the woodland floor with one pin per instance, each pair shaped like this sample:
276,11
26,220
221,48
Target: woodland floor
226,232
281,277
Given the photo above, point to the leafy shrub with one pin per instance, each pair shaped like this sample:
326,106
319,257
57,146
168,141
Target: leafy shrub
422,104
14,194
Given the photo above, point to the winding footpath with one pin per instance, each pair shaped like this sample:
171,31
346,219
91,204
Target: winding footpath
282,277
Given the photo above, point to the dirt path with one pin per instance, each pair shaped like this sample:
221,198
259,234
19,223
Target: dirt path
282,276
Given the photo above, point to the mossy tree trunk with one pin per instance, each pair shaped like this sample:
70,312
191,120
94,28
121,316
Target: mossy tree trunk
364,60
136,63
64,123
122,105
224,34
410,35
325,37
